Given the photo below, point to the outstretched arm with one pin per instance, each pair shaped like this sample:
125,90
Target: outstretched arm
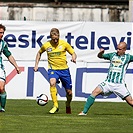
74,57
100,53
13,62
38,56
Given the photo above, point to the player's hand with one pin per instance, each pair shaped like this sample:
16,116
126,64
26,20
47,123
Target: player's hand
18,70
36,68
73,60
102,50
74,57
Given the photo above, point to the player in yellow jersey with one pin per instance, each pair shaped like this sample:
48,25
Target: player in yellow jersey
57,67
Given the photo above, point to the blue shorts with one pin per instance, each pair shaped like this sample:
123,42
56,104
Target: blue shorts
63,75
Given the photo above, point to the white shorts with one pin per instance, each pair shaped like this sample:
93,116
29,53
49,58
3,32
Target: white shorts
2,75
118,89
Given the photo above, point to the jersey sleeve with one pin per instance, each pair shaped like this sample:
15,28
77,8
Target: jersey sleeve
6,52
131,58
42,49
107,56
69,48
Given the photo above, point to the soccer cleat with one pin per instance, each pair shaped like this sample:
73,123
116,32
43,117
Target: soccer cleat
68,110
53,110
2,110
82,113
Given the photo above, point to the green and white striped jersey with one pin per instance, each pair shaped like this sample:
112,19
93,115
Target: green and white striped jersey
118,66
3,50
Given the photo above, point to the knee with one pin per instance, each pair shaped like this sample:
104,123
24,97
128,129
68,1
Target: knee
129,100
69,92
97,91
2,90
53,82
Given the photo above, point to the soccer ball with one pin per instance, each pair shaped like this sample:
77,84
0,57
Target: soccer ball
42,100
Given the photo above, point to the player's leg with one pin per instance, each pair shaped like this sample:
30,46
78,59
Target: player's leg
90,100
124,94
103,88
65,78
3,96
68,101
53,90
129,100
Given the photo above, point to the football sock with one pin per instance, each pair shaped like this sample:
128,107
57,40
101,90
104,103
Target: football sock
53,92
3,99
89,103
69,99
0,102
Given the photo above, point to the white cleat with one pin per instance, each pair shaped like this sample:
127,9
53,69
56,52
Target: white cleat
2,110
82,113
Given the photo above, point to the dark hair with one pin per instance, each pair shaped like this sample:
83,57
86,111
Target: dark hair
3,27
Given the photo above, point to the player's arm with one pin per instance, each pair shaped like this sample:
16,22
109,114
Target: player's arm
38,56
100,54
131,58
71,51
13,62
74,57
11,59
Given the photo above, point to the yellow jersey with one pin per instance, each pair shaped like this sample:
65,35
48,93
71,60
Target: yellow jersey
57,54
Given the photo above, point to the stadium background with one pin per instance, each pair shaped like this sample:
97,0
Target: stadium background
66,10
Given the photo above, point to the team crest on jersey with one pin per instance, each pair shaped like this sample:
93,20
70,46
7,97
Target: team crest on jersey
49,49
116,62
52,72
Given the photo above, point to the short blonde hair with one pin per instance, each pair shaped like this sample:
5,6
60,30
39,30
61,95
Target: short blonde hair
54,31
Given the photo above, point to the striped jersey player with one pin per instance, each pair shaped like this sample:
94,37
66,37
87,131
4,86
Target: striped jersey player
115,81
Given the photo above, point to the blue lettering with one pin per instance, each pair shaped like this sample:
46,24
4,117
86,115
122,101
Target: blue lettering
79,77
115,42
129,40
25,42
92,40
34,39
81,40
78,83
30,82
69,37
103,42
48,37
10,38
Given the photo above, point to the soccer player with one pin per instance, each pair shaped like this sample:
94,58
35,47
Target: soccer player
4,50
115,82
57,67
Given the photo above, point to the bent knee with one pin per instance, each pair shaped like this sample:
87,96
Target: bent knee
69,92
97,91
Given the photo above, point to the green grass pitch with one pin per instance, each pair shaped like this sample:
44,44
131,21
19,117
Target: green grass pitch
25,116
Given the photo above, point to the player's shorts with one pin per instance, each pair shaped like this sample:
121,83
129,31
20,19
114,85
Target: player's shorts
63,75
118,89
2,75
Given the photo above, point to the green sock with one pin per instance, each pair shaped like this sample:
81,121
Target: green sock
88,104
69,99
3,99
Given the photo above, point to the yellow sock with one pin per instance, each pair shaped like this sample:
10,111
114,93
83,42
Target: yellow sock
69,99
53,92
